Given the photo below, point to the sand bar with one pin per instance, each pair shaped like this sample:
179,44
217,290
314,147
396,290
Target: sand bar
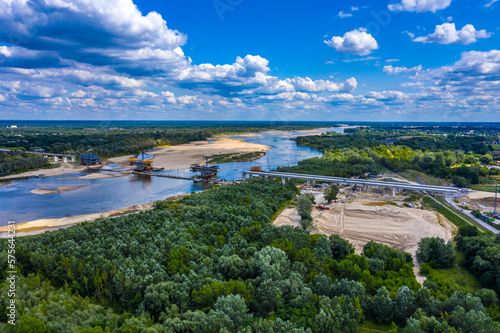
181,156
98,175
61,189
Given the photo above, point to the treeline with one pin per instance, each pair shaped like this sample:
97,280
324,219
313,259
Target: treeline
449,142
457,159
18,162
340,163
481,256
213,262
131,137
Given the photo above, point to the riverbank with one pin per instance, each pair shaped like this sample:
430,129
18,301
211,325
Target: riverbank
182,156
64,169
42,225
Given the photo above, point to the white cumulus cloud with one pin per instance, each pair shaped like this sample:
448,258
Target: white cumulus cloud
420,5
446,33
357,42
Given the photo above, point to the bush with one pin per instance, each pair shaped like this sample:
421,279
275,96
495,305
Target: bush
436,252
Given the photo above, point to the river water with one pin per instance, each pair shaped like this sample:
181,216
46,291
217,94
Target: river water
19,205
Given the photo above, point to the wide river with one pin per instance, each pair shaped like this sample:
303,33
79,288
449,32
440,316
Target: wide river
19,205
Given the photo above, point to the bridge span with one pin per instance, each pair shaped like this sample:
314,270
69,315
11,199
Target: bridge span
365,185
55,157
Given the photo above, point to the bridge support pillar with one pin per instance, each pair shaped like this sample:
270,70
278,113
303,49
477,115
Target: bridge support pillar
394,191
65,159
56,159
308,182
283,181
73,159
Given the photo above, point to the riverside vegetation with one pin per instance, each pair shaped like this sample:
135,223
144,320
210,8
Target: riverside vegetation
109,139
458,159
214,262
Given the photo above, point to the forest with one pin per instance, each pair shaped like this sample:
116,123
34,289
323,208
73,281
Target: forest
18,161
121,138
109,139
214,262
458,159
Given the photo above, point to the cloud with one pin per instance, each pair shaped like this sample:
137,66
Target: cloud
490,3
420,5
344,15
91,31
361,59
398,70
446,33
357,42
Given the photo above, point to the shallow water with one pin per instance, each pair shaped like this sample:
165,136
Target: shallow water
18,204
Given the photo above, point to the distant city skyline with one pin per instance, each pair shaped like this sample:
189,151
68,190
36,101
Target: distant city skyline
383,60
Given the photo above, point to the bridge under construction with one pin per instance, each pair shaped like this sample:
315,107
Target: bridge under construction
363,184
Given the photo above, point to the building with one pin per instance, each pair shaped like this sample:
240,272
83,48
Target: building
89,160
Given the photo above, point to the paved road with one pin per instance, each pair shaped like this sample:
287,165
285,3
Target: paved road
472,217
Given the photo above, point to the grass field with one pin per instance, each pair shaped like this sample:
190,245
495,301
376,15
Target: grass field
414,175
368,326
453,279
449,214
486,188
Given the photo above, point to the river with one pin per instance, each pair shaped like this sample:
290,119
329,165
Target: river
19,205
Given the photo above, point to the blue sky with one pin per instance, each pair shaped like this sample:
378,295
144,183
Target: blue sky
408,60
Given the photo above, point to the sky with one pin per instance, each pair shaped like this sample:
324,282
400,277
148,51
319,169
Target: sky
360,60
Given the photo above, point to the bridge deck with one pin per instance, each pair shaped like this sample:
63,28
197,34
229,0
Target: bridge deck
360,182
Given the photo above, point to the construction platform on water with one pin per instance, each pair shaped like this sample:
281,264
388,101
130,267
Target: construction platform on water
160,175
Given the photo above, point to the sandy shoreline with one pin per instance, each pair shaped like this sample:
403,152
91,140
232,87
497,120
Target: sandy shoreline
64,169
42,225
182,156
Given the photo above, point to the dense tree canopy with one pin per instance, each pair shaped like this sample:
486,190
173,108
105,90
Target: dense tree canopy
213,262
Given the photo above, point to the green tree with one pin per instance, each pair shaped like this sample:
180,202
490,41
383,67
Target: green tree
29,324
339,315
340,247
383,306
436,252
231,267
304,206
488,297
234,307
331,193
404,304
460,181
